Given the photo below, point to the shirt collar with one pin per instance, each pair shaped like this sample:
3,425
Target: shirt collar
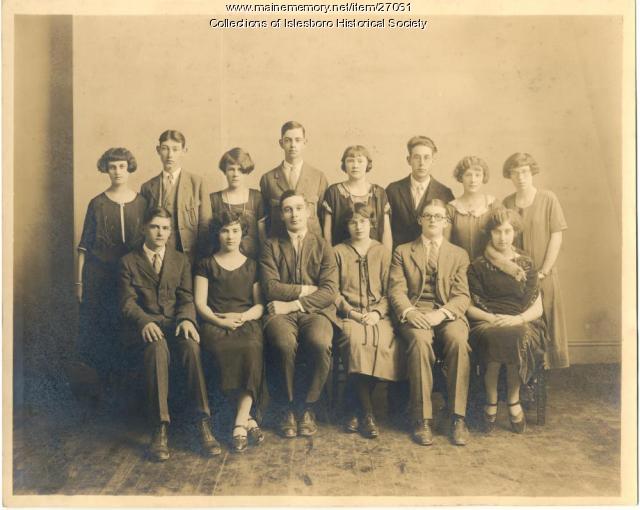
150,253
415,184
302,234
288,166
427,242
176,174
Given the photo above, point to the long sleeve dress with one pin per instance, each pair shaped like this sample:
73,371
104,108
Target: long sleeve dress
372,350
496,292
110,230
542,218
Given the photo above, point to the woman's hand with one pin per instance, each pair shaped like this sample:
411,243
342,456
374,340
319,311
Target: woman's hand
505,321
225,321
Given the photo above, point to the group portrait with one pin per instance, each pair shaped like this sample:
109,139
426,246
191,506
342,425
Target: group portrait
277,263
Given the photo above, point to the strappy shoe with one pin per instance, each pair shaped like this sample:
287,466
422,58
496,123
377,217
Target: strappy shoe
518,422
489,419
254,433
239,441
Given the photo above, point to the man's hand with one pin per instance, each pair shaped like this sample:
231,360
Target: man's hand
307,289
435,317
371,318
418,320
152,333
505,321
188,330
282,307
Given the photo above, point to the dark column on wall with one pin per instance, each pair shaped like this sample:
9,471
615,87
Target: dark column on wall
44,309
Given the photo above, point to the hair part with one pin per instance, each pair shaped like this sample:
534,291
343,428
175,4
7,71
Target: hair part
438,203
518,159
470,162
288,194
155,212
291,124
236,156
117,154
174,136
354,151
226,219
501,215
414,141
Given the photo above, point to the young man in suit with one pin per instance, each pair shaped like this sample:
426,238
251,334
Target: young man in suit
429,294
299,278
292,174
183,194
408,196
160,319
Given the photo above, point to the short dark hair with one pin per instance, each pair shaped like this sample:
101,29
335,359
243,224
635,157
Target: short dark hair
414,141
500,215
155,212
469,162
438,203
291,124
353,151
226,218
117,154
173,135
359,209
519,159
288,194
236,156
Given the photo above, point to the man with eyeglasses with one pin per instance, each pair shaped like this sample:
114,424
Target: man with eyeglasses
429,294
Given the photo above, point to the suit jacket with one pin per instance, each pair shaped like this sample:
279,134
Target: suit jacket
318,267
311,184
194,211
407,277
149,297
404,222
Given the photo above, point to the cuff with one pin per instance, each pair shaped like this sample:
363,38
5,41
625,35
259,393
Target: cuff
450,316
299,305
403,316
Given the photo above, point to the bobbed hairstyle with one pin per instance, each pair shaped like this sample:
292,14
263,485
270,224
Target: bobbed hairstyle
236,156
501,215
155,212
291,124
174,136
117,154
519,159
288,194
353,151
470,162
359,210
414,141
225,219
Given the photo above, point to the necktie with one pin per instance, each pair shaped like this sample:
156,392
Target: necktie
157,263
418,194
169,180
293,178
433,256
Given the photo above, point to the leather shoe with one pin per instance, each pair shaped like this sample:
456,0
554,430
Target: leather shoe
519,421
239,441
351,425
288,425
210,445
159,446
255,434
368,428
307,424
459,431
422,433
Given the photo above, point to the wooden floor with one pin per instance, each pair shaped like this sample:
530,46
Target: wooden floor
73,449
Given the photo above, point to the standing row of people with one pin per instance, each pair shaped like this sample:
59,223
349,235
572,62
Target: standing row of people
273,261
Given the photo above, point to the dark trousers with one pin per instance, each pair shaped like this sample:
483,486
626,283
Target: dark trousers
313,333
453,336
156,358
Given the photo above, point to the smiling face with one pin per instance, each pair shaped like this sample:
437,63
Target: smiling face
293,143
295,213
502,237
433,221
356,166
521,177
235,176
359,228
157,232
170,153
420,160
472,179
118,172
230,237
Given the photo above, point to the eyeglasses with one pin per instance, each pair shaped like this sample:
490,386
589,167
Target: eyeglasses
437,217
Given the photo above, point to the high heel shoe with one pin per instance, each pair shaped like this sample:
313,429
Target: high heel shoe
489,419
239,441
518,422
254,432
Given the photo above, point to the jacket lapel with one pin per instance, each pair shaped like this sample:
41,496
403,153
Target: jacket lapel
155,190
145,266
281,179
302,178
181,195
444,269
168,265
288,254
405,193
419,259
426,196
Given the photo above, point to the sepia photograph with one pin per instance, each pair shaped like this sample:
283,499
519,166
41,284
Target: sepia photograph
319,253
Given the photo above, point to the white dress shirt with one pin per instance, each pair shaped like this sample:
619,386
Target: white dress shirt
418,189
300,237
150,253
288,168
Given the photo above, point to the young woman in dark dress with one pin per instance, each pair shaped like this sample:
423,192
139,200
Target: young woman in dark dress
228,300
505,315
112,227
236,164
